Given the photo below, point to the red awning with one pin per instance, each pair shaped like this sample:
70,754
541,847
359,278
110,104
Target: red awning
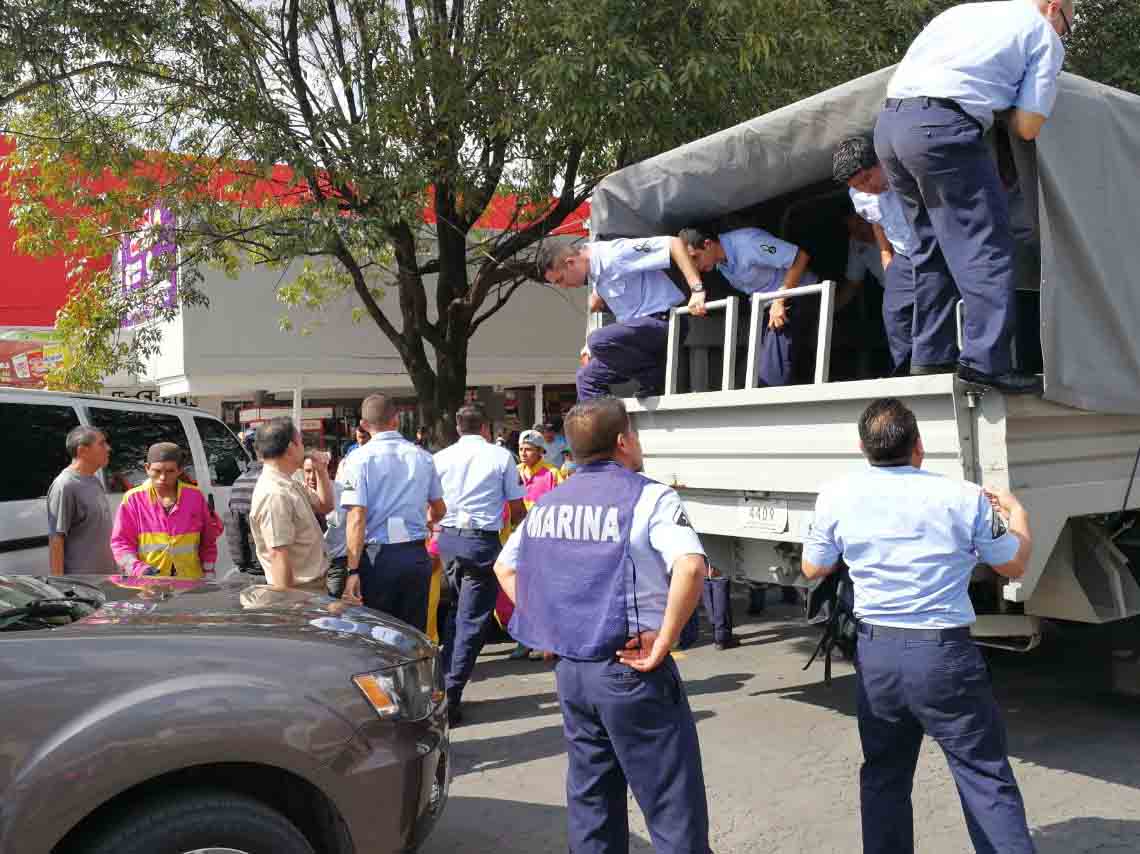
32,290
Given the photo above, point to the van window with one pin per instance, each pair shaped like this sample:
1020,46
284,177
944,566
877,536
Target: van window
131,433
34,439
224,453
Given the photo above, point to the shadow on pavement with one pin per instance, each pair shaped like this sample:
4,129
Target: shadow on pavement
1056,713
720,684
475,755
510,708
1080,835
467,826
524,706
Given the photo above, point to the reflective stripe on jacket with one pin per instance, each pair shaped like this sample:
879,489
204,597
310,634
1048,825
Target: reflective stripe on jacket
147,540
539,481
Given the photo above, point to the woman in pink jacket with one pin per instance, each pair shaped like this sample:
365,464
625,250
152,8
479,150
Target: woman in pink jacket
165,526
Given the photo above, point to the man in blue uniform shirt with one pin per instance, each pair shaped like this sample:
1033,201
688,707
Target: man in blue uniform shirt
911,540
628,278
856,165
390,489
970,62
478,478
605,572
753,261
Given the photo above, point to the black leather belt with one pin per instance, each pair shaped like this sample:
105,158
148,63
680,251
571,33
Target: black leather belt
895,633
925,101
471,532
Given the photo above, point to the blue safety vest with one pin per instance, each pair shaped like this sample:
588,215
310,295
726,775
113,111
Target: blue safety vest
570,595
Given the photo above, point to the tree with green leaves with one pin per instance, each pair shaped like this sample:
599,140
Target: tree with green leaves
376,110
1105,44
312,134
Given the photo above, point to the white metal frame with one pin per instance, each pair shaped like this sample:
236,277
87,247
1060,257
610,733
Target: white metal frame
731,307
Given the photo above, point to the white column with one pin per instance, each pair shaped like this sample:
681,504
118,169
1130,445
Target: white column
538,408
297,407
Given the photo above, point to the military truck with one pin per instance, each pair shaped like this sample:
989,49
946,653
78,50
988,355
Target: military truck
750,461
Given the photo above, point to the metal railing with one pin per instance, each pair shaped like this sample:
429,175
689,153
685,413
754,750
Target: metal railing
731,307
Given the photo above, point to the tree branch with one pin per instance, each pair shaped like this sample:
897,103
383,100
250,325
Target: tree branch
349,262
495,156
51,80
571,198
413,296
501,299
343,70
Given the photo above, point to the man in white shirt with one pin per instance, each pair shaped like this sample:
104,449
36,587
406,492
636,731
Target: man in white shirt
628,277
972,61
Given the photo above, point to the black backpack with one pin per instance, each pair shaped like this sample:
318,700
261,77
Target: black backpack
832,604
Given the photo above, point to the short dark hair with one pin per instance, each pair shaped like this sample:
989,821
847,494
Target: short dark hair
377,410
274,437
696,236
852,156
81,437
593,427
888,431
553,254
165,452
470,419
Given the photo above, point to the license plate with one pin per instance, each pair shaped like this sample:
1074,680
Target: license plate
764,514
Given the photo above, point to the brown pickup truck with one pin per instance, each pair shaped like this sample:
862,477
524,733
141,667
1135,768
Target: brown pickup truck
143,716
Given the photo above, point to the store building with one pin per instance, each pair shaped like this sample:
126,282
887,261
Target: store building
235,359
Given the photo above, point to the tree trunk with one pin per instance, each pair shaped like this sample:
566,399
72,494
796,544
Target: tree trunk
450,384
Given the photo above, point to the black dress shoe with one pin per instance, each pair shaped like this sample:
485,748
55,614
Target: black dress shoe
730,642
927,370
454,709
1010,383
454,715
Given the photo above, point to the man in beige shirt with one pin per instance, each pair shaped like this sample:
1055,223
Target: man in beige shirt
283,511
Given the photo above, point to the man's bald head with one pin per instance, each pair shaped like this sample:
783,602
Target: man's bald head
378,412
593,428
1059,14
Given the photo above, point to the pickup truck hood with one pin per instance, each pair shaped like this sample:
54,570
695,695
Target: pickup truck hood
153,606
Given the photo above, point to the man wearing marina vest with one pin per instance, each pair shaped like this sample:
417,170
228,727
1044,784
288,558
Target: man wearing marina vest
605,572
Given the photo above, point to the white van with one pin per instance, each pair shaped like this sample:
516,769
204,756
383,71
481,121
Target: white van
34,425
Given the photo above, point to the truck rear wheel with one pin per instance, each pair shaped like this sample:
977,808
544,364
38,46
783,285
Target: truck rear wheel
199,821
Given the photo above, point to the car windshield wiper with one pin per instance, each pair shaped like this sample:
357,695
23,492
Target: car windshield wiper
66,584
45,607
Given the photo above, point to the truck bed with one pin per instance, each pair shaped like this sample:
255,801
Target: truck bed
749,464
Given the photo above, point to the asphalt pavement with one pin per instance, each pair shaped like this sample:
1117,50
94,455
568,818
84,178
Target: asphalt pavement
781,753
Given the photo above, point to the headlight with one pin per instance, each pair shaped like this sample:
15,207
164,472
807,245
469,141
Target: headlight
410,692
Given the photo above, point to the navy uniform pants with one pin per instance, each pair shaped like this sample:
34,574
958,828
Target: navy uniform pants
937,162
469,561
717,599
912,683
632,350
777,347
898,310
395,579
625,728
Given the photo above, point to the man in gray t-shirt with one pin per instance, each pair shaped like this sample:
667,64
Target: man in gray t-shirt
79,517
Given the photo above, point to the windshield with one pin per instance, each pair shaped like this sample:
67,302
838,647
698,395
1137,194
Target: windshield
28,603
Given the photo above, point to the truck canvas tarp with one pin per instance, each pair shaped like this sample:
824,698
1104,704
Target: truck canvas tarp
1087,203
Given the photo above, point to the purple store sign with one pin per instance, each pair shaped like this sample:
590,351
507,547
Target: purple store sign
137,256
